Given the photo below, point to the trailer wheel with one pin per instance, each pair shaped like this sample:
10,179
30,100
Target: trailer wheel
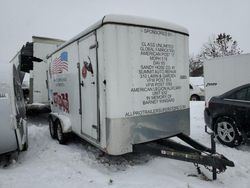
227,132
26,144
52,128
61,137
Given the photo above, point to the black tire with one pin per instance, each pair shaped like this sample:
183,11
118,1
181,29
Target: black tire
227,132
26,144
52,128
61,137
194,98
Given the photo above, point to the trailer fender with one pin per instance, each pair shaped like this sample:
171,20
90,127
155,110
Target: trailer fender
64,120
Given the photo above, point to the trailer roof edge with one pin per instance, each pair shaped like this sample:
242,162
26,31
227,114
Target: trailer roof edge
226,57
47,40
17,53
126,20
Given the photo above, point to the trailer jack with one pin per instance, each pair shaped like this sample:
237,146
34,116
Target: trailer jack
197,153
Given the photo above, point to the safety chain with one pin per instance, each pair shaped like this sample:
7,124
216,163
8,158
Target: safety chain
197,167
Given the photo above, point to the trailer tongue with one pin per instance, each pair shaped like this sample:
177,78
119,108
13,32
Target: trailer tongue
197,153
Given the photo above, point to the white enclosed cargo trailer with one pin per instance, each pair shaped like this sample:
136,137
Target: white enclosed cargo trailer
123,85
225,73
29,60
121,82
13,128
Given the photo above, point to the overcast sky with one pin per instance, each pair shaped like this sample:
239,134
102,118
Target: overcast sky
63,19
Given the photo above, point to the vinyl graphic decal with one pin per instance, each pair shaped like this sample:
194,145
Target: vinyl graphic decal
87,67
60,63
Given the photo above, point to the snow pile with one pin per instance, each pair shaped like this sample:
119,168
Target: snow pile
78,164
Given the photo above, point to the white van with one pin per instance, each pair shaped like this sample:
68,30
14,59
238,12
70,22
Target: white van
13,127
196,93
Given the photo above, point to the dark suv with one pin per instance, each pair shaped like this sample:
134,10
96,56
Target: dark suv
228,115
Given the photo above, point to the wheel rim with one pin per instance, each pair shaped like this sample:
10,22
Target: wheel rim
59,132
226,131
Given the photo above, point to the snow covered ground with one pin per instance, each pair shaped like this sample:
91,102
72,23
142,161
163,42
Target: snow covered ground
78,164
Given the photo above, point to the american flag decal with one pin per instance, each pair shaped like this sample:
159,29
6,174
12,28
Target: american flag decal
60,64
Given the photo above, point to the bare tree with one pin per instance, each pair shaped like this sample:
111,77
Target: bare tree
222,45
194,63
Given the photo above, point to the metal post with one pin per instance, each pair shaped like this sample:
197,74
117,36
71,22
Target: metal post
213,148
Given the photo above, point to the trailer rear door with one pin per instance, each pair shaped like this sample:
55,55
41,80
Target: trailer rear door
88,78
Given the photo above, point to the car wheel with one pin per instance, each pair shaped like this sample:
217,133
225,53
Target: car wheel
227,132
194,98
61,137
52,128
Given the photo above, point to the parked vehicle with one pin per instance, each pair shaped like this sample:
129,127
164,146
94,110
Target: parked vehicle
123,83
228,115
119,91
29,60
13,127
222,75
196,93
